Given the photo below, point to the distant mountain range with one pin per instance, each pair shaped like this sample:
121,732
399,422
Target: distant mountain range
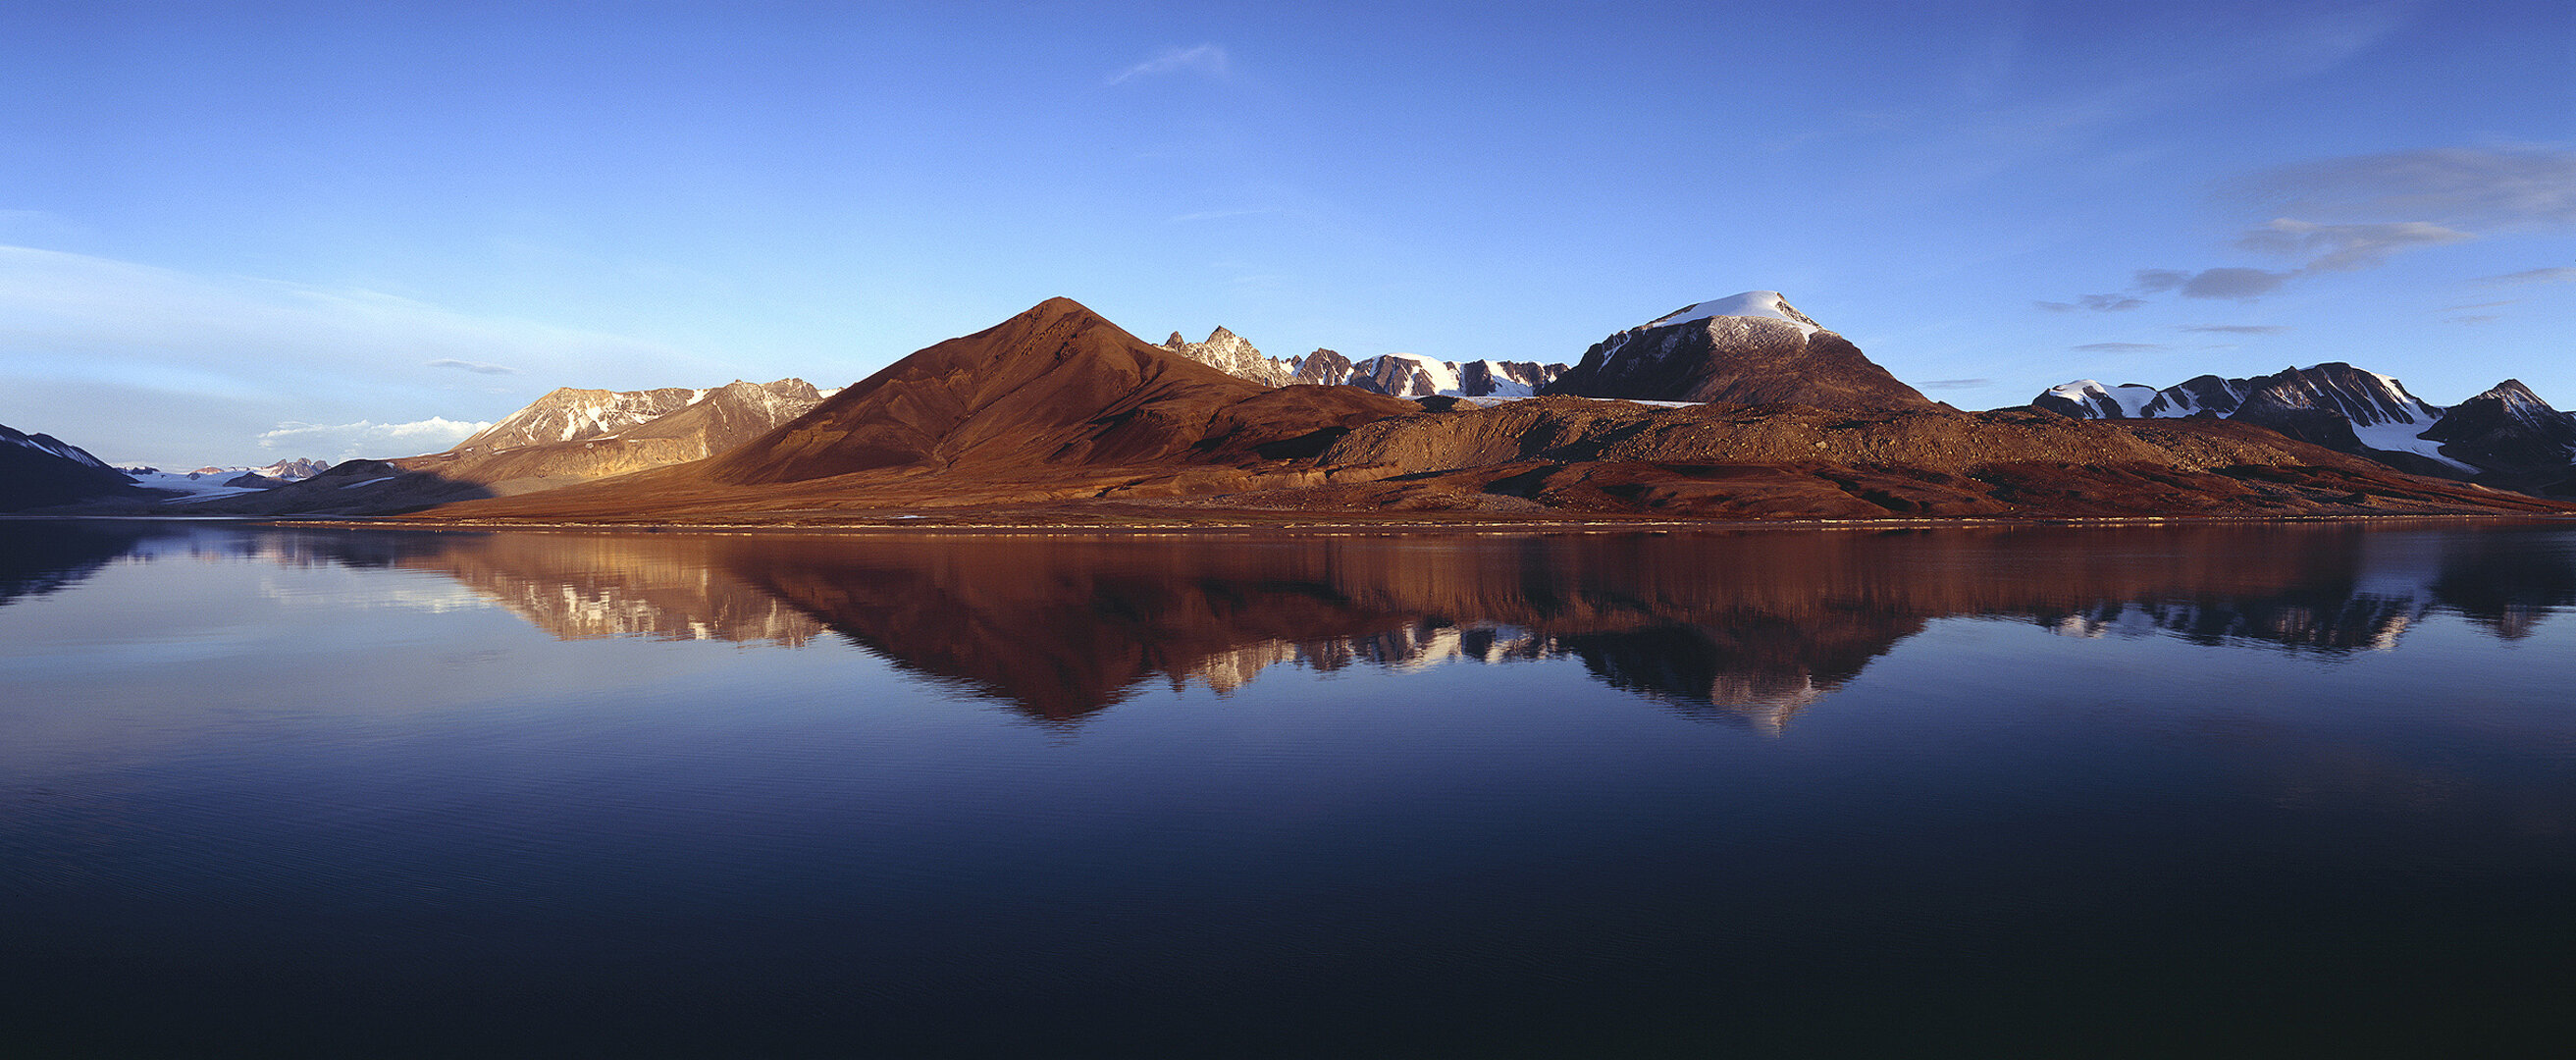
1404,375
568,436
2505,437
1735,408
1751,348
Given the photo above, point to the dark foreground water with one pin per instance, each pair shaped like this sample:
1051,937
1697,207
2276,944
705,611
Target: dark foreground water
2297,790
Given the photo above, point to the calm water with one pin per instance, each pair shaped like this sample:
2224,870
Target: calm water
2287,789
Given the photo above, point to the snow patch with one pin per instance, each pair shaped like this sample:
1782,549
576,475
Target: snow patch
2401,438
1763,304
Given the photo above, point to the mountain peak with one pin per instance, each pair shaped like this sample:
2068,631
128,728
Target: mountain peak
1752,349
1757,304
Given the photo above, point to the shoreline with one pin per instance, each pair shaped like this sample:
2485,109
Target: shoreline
1340,527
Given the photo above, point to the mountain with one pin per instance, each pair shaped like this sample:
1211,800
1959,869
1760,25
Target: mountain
1058,416
568,436
1228,352
1411,375
2513,436
2506,436
1054,386
1324,368
42,471
291,470
1404,375
1749,349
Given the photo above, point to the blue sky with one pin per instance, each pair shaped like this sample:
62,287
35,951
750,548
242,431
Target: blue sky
232,233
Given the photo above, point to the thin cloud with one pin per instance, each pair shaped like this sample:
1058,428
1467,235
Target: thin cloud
2238,329
1954,384
2344,247
2099,303
2234,283
2481,318
2561,274
2481,305
2117,347
475,367
2453,186
2356,212
1207,60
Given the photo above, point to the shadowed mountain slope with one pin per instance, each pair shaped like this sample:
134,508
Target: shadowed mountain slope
41,471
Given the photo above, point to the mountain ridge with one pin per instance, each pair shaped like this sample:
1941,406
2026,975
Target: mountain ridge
1056,413
2506,436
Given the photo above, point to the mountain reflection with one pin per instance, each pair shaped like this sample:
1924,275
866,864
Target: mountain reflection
1746,628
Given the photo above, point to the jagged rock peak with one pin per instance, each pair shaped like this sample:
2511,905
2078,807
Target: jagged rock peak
1323,368
1232,354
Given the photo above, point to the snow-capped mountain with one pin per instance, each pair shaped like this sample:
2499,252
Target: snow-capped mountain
1752,348
1411,375
2509,432
40,471
571,414
2507,435
570,435
1405,375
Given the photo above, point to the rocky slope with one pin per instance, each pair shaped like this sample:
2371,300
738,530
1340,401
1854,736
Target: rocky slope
2507,436
1751,349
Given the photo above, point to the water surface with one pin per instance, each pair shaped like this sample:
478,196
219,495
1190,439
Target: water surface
2042,791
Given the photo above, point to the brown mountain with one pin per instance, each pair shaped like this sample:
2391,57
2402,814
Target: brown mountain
1054,385
1057,415
1751,349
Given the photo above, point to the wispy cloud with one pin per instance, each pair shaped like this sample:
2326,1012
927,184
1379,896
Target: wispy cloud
2460,187
141,319
2117,347
1954,384
2238,329
2353,213
1207,60
475,367
2479,318
2233,283
349,441
2099,303
2561,274
2344,247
